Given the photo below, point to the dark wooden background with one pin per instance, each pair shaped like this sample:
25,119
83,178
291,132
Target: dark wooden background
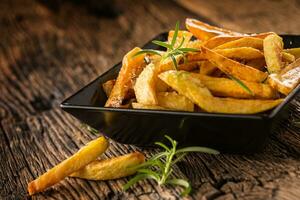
47,55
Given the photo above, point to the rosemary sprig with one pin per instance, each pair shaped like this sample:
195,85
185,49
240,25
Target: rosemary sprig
171,51
240,83
159,167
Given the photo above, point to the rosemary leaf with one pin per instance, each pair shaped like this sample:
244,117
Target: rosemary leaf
240,83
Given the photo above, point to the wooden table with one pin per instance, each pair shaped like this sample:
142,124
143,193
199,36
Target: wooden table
45,56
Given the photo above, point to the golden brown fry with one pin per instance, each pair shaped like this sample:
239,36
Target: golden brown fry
83,157
112,168
205,31
174,101
241,53
225,87
287,79
273,47
195,90
287,57
181,34
207,68
131,68
293,51
195,44
234,68
253,42
222,39
147,107
145,86
108,86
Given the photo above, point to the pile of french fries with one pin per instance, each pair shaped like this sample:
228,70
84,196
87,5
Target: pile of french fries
86,164
231,73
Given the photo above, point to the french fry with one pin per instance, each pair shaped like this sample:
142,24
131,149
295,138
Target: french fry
234,68
195,44
181,34
273,47
222,39
147,107
294,51
287,79
207,68
195,90
174,101
253,42
287,57
72,164
242,53
144,87
225,87
108,86
205,31
131,68
112,168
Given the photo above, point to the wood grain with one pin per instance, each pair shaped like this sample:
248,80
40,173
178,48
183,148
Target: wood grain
45,56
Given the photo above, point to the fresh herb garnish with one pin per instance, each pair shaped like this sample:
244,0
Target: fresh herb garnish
159,167
171,51
240,83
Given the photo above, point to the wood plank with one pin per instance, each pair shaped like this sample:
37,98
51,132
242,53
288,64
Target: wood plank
45,56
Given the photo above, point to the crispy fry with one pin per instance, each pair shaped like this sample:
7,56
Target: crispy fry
225,87
293,51
108,86
131,68
196,91
242,53
287,79
195,44
181,34
222,39
189,66
112,168
288,57
207,68
174,101
147,107
83,157
205,31
253,42
273,46
234,68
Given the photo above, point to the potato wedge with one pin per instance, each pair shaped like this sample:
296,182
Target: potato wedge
207,68
273,47
181,34
189,66
72,164
132,66
108,86
287,79
195,44
225,87
253,42
294,51
205,31
174,101
287,57
112,168
241,53
195,90
147,107
222,39
144,87
234,68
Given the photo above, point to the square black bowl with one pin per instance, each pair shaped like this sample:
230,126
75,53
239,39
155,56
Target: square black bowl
225,132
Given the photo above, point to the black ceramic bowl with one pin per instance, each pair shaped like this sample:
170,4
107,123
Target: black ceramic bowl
225,132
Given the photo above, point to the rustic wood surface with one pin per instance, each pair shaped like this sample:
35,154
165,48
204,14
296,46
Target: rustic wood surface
45,56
